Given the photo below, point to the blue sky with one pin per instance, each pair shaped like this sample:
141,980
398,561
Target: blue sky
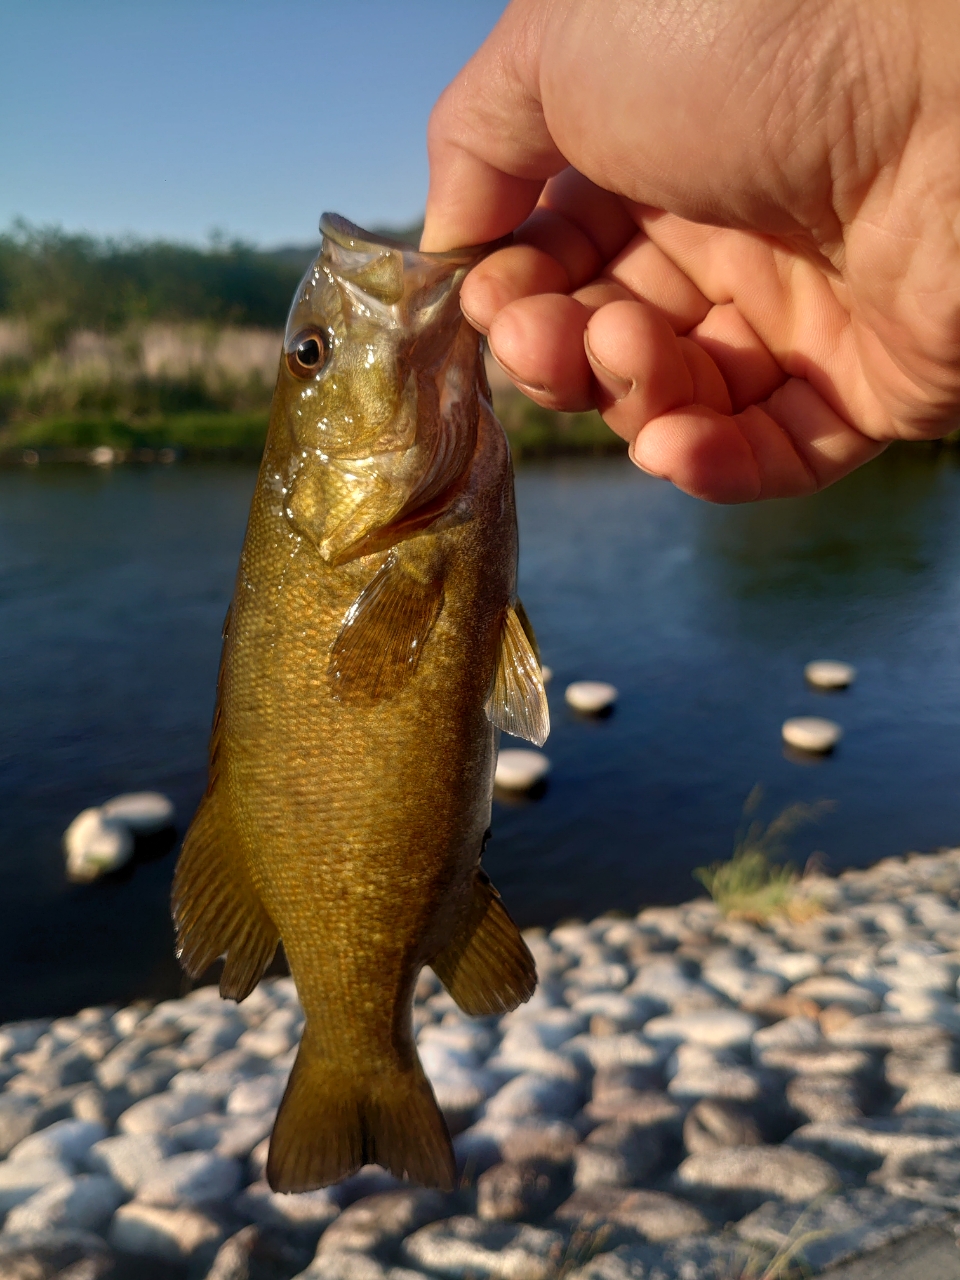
178,117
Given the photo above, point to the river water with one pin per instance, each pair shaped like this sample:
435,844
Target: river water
113,588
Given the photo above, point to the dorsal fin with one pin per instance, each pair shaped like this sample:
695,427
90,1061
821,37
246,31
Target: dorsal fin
518,703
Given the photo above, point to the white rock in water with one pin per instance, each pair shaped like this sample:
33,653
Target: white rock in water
590,696
519,768
546,674
827,674
142,812
95,845
102,456
810,733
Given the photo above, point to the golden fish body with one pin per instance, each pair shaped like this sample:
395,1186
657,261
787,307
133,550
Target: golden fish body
374,647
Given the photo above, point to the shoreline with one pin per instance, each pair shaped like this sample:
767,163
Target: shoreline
685,1096
532,433
240,433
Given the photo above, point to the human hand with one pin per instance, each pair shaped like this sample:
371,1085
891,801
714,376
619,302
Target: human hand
738,226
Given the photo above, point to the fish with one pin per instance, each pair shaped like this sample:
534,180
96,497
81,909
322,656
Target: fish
374,649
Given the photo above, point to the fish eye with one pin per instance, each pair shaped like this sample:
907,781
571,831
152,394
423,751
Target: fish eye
306,353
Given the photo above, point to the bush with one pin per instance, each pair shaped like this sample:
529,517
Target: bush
60,283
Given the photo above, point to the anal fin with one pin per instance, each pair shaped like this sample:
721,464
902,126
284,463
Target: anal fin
518,703
486,967
333,1119
216,910
378,646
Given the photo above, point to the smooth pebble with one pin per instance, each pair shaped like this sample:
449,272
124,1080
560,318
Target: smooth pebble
520,768
811,733
590,696
827,674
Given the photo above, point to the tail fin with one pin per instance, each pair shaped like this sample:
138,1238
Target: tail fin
333,1120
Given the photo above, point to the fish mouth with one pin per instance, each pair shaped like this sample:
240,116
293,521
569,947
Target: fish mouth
349,236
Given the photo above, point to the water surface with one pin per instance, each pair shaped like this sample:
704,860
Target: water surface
113,588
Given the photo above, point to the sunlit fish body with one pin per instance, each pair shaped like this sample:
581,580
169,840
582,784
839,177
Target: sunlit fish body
374,647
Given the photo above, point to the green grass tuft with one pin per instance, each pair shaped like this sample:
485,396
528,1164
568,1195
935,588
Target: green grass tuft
756,884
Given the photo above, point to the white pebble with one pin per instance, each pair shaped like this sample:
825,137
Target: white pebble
312,1210
827,674
193,1178
68,1140
20,1179
255,1096
175,1235
86,1203
590,696
95,845
546,674
161,1112
102,456
810,733
519,768
130,1158
142,812
715,1028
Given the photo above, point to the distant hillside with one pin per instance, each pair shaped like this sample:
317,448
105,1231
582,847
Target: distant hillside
59,283
147,345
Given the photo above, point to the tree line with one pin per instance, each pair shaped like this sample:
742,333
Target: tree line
60,282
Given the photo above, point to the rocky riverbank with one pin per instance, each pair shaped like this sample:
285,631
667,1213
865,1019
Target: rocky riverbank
684,1097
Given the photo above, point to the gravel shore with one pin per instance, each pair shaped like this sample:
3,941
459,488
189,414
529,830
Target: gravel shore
685,1097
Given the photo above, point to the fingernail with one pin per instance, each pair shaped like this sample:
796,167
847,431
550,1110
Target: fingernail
529,387
470,320
615,386
632,455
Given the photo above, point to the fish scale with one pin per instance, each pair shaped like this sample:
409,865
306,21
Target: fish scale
373,650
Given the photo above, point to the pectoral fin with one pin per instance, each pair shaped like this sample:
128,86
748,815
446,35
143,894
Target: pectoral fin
379,645
518,703
486,966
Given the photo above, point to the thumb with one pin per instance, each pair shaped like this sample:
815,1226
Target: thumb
489,146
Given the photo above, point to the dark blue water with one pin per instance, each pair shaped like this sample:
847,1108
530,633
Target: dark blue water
113,587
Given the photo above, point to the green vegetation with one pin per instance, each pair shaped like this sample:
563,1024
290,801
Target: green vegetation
755,884
153,345
197,435
534,432
139,345
204,432
59,283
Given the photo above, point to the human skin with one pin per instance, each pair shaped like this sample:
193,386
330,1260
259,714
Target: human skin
737,226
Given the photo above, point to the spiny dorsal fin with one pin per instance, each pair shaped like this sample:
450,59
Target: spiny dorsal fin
486,966
528,631
518,703
216,910
379,645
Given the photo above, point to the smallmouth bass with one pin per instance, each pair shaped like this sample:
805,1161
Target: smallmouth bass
373,649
